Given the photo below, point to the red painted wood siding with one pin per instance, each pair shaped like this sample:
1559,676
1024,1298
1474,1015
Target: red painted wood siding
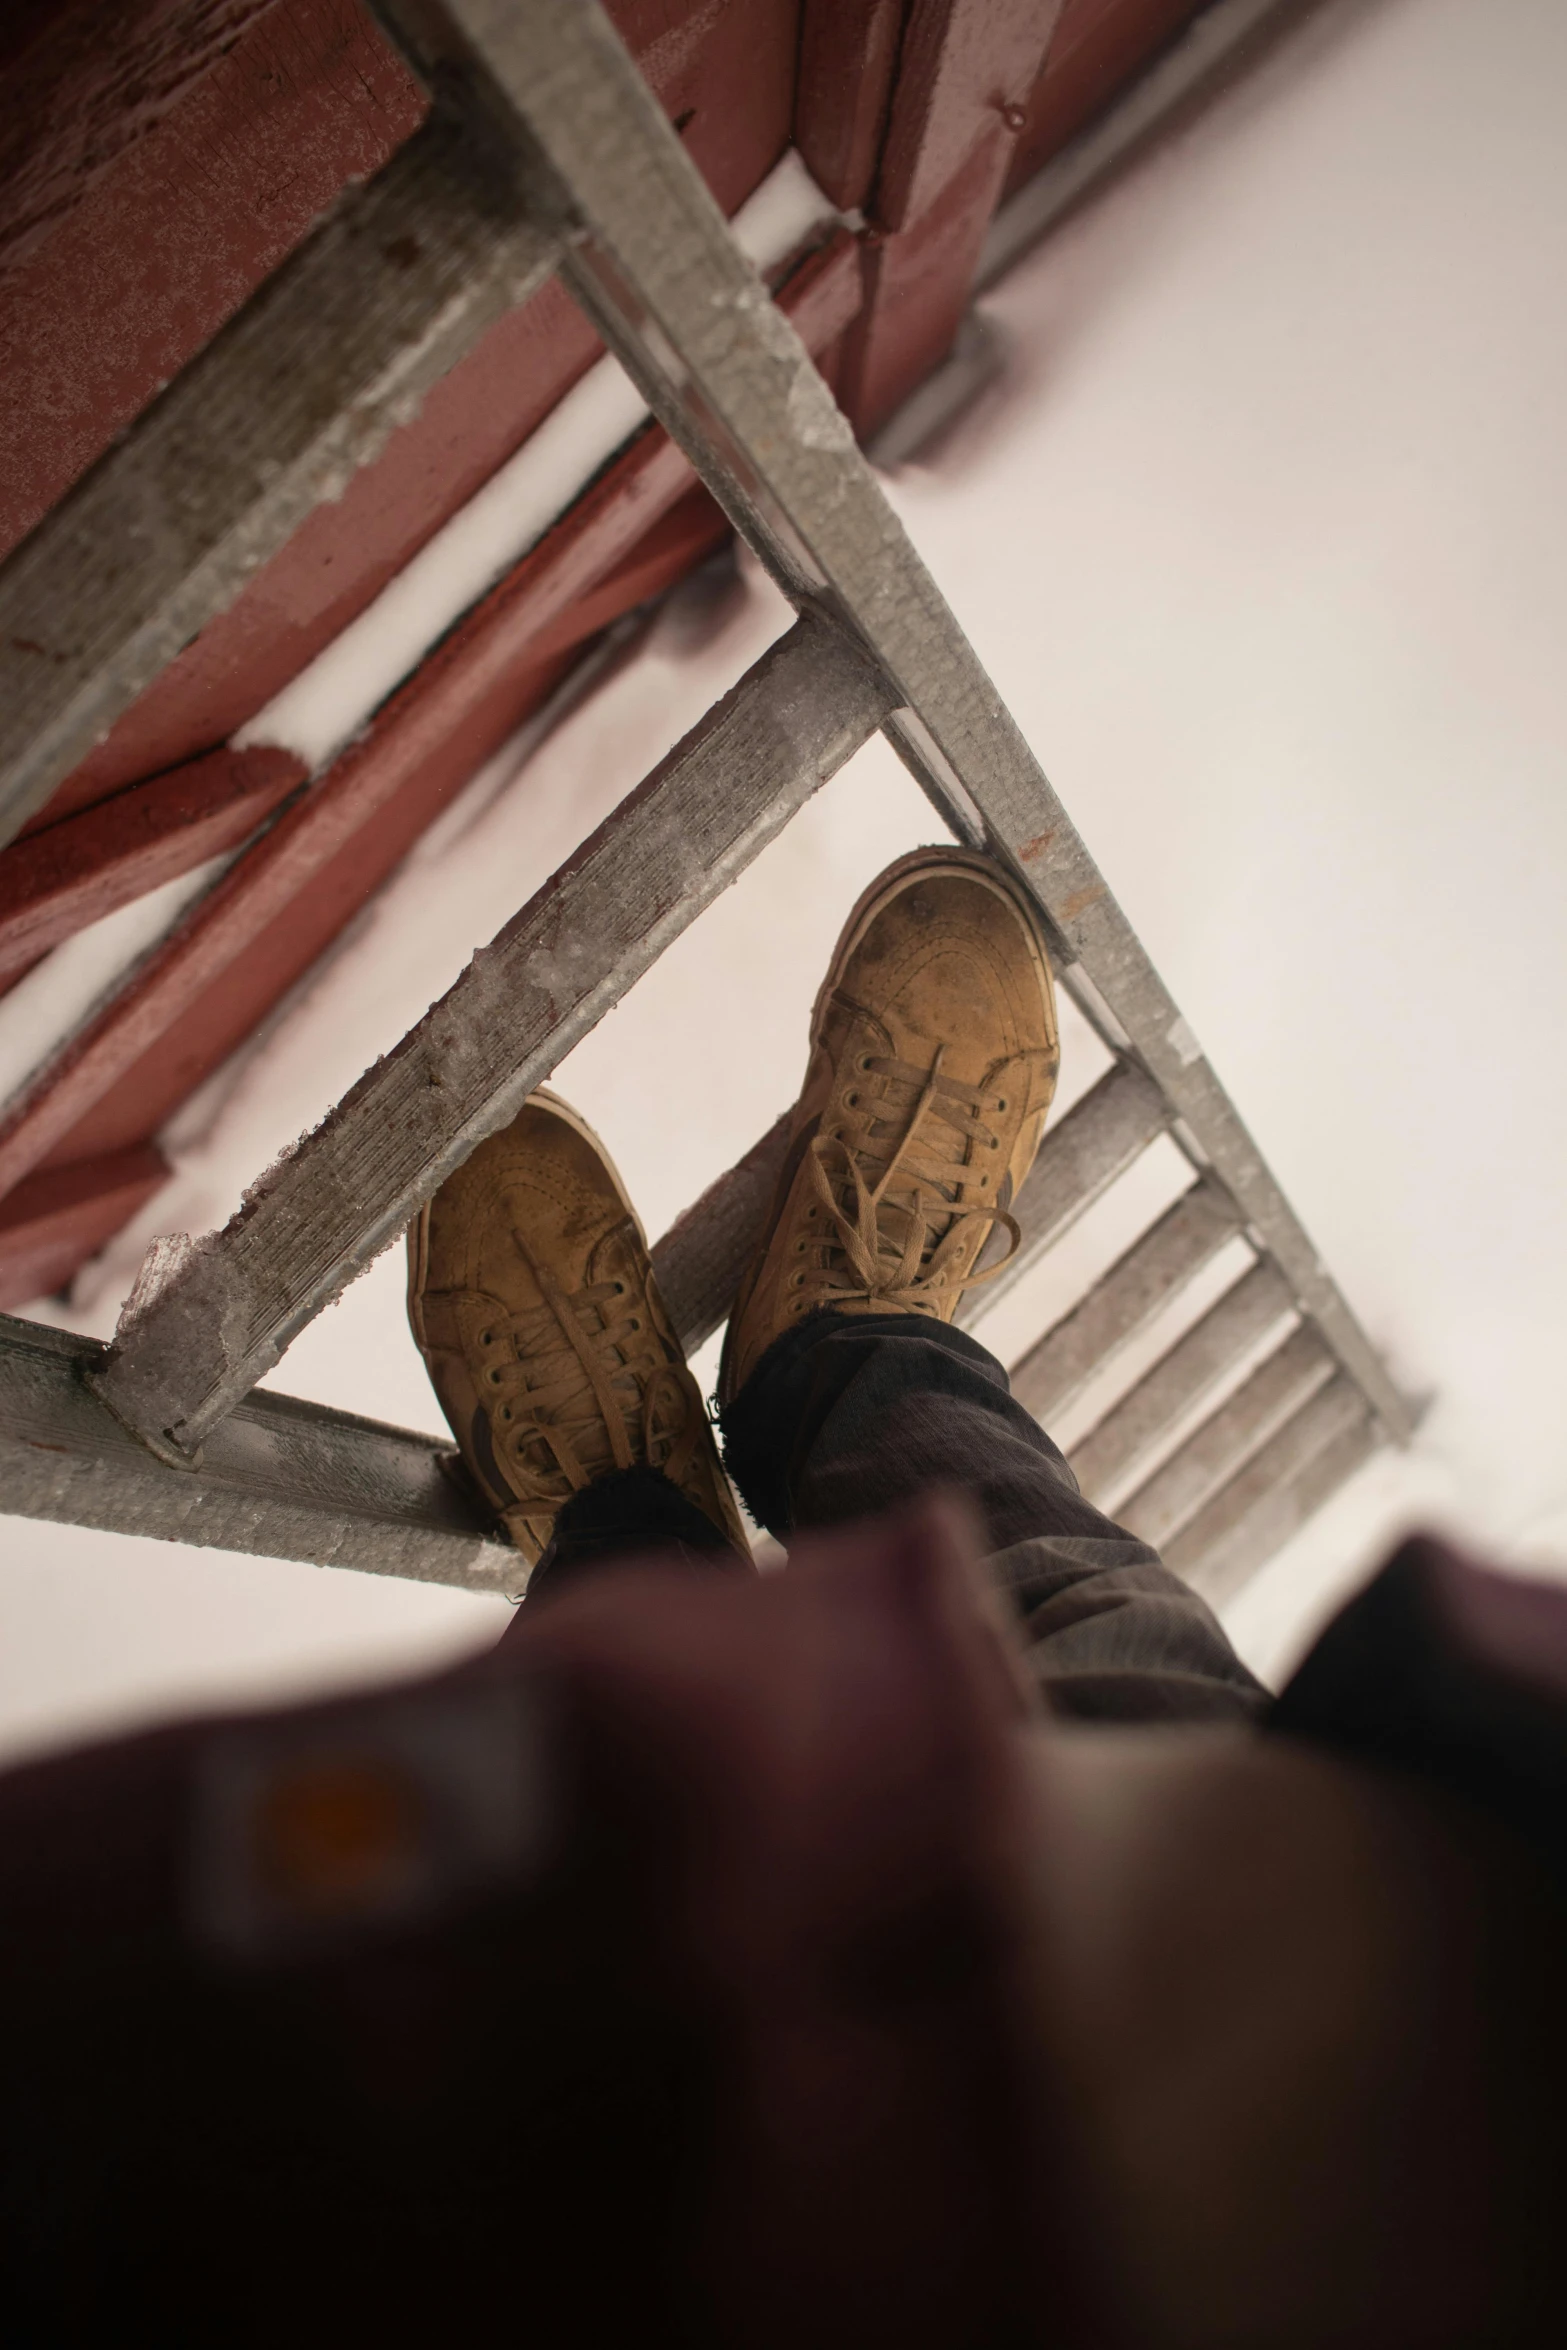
725,68
1099,46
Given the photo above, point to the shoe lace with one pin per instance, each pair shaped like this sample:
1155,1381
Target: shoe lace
582,1394
890,1183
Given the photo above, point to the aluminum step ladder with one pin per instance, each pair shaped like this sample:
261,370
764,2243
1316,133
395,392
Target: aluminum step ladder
545,152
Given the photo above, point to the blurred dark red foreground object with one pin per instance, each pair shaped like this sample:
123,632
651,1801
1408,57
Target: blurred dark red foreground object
666,1976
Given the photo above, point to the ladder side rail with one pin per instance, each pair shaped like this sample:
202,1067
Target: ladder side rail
222,1318
279,1479
648,255
303,386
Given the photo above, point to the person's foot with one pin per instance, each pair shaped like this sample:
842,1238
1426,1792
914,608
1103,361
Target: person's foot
533,1303
933,1061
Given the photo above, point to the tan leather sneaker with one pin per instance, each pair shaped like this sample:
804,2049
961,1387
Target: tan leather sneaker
933,1060
533,1302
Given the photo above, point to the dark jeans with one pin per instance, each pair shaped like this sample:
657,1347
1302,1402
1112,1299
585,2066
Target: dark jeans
849,1415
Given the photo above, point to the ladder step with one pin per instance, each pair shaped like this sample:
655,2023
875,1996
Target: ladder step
1177,1490
1137,1287
352,1186
1096,1141
298,391
278,1479
1272,1497
1105,1460
701,1257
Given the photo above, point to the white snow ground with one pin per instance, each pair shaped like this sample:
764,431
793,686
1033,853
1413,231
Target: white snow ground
1260,537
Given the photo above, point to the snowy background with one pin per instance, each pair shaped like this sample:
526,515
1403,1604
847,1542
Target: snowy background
1260,535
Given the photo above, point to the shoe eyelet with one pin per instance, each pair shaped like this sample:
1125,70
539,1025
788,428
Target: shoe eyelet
863,1064
485,1336
494,1378
633,1325
799,1248
1001,1105
983,1181
851,1101
620,1289
506,1411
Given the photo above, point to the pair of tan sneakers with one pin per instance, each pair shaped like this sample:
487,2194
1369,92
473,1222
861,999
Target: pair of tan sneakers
531,1293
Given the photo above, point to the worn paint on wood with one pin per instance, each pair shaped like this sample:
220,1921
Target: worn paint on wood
55,882
725,69
158,247
848,59
1099,47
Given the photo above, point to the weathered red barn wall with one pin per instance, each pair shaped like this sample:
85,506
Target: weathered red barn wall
1099,46
151,177
171,238
160,245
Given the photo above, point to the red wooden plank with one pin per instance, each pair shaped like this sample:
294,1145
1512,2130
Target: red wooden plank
917,290
1100,45
164,244
848,57
57,881
725,70
965,73
55,1222
218,1019
271,915
81,83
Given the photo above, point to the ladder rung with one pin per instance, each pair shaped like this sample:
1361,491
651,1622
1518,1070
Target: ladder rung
1137,1287
1177,1383
1177,1490
1282,1486
701,1257
279,1478
1096,1141
296,392
559,965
